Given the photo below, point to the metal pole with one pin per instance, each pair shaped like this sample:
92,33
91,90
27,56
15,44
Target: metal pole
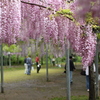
68,72
47,63
9,57
1,56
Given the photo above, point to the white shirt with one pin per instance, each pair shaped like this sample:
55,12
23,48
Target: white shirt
87,69
53,59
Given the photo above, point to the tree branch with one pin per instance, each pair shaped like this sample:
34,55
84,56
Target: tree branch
37,5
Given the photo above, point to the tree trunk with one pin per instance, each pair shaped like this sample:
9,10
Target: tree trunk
17,59
91,82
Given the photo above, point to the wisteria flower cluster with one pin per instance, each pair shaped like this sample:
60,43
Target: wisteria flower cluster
10,20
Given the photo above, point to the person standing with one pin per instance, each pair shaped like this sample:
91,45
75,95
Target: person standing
37,60
25,65
72,68
87,76
29,64
53,61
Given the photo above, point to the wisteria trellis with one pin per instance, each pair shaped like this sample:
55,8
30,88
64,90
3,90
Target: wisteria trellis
21,21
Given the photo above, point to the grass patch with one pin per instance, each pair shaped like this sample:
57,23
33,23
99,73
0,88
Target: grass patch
16,74
72,98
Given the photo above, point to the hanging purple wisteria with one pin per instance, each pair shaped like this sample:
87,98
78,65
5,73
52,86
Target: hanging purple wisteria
31,20
10,18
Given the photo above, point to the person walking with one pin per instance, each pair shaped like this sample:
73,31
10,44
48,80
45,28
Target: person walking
29,64
25,65
87,76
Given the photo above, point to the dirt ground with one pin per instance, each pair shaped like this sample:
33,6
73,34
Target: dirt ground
40,89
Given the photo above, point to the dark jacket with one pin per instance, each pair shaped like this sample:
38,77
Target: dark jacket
72,67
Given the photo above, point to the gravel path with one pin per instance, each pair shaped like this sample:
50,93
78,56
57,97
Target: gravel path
39,89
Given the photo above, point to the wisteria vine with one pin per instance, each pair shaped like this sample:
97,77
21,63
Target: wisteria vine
21,21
